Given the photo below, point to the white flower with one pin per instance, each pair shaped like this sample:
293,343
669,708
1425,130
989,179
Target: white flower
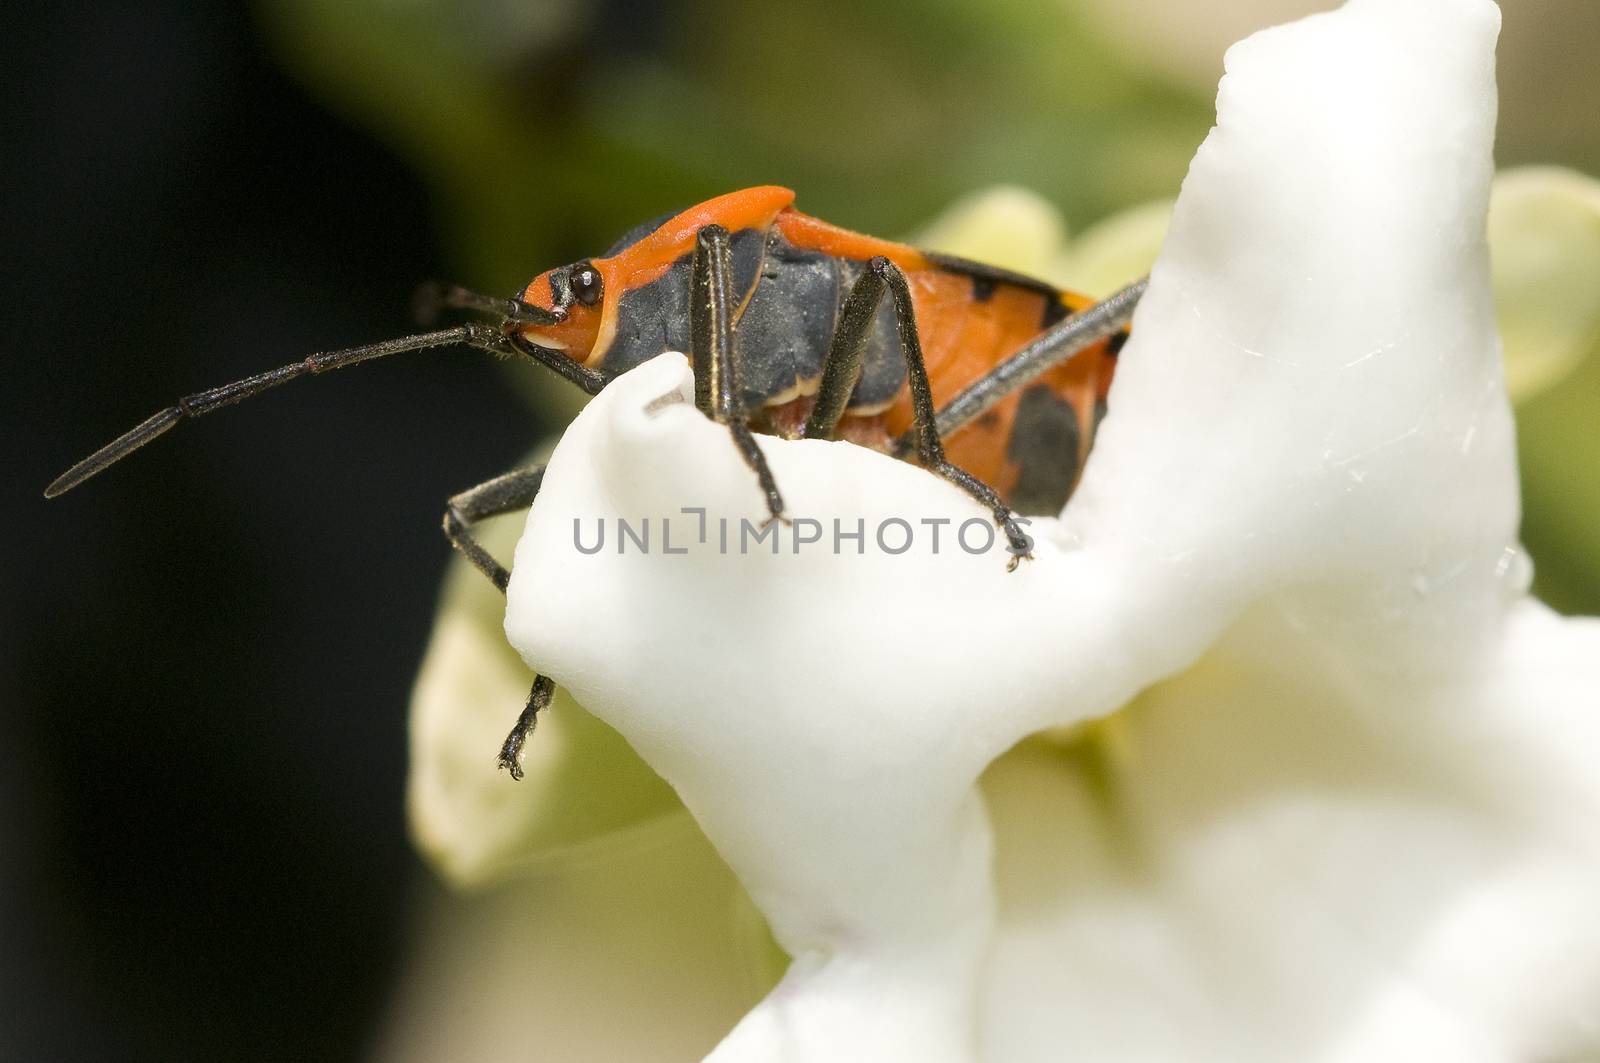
1331,788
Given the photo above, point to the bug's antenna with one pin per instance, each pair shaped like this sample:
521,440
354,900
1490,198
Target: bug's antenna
432,297
476,335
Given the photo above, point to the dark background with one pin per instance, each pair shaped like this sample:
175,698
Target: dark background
206,653
203,853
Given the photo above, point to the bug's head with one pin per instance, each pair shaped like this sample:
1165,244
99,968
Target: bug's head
576,295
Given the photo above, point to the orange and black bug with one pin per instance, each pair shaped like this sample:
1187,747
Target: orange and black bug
993,380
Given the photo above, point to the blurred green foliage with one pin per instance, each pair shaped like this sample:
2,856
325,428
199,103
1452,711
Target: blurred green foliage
1559,443
550,126
547,127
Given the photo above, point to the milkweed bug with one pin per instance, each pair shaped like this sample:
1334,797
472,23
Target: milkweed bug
795,328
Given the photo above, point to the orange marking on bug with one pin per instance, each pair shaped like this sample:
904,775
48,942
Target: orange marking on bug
575,336
803,230
752,208
586,333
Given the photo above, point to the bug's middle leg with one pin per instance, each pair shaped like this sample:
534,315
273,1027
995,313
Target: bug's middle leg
842,368
716,371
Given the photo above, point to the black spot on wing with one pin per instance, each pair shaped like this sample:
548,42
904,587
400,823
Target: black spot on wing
986,279
1044,445
1115,344
1055,311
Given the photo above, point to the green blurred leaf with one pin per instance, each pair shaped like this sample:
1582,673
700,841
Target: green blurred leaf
1558,437
1116,252
1544,229
1005,226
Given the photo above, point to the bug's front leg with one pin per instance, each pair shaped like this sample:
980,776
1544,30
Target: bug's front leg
842,368
716,370
507,493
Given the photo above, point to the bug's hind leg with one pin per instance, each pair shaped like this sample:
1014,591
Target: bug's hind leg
716,373
508,493
842,368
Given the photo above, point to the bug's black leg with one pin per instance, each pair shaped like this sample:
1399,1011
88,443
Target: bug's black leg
504,494
716,371
476,335
572,372
1058,345
842,367
544,689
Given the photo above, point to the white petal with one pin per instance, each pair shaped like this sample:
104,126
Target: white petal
1287,854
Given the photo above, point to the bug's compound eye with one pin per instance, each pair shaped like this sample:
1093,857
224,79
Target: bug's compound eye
587,287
